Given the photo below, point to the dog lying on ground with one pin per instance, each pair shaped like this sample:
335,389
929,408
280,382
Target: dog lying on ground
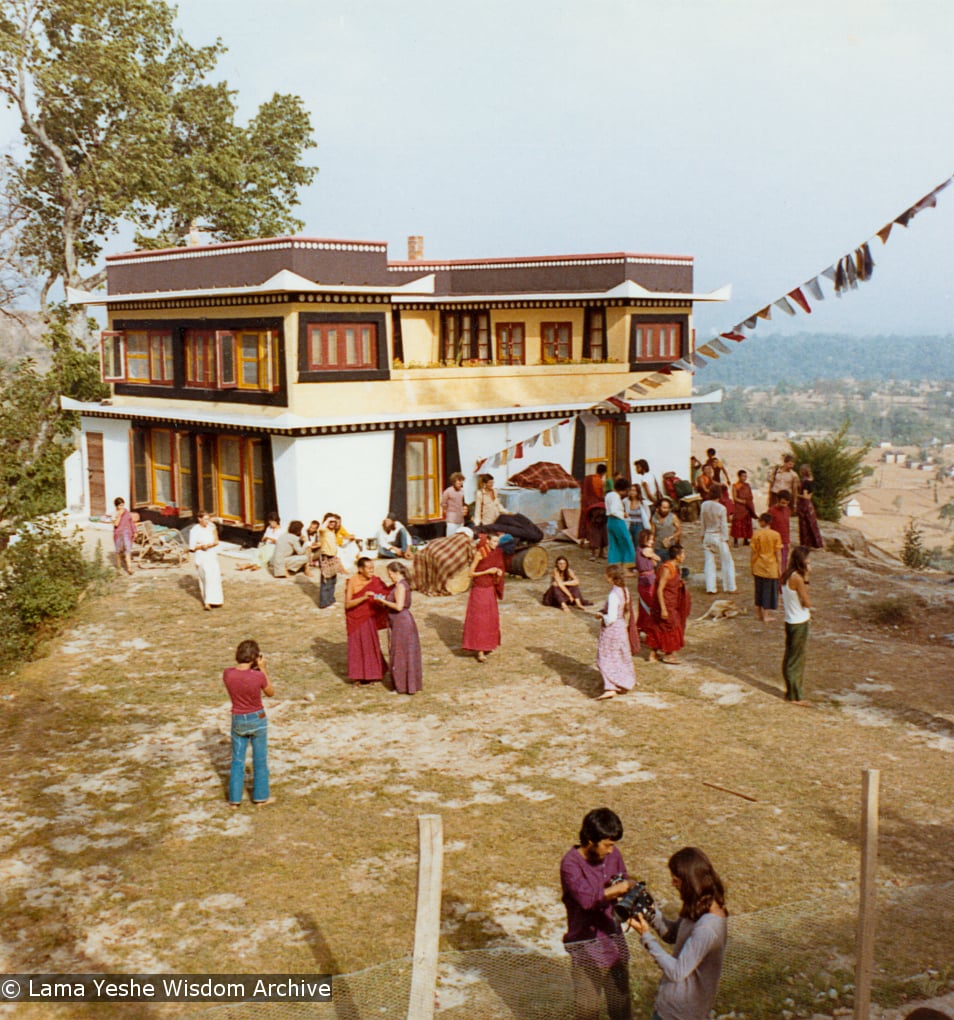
721,609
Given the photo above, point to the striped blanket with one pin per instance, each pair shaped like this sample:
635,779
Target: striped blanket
439,560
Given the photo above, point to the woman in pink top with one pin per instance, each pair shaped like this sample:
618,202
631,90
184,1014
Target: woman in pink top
246,682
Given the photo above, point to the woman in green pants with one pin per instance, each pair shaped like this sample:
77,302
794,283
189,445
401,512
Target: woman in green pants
798,613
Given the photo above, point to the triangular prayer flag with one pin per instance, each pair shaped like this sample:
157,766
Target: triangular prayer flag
905,217
707,350
588,418
783,304
697,361
885,232
815,287
851,272
636,388
504,456
654,383
566,421
830,272
683,364
765,313
518,451
719,346
868,260
547,441
734,335
480,464
532,441
751,323
496,461
799,298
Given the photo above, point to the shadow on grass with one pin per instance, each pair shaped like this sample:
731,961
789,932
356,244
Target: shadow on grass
572,672
189,583
739,674
343,1002
334,654
450,630
218,746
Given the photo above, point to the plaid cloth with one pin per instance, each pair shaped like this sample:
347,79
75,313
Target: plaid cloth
545,475
439,560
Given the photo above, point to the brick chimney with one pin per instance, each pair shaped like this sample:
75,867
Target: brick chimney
415,248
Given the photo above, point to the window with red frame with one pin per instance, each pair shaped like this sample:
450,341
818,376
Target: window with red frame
342,345
511,349
594,334
658,341
556,340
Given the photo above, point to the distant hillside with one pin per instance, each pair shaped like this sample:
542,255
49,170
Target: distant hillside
764,361
22,340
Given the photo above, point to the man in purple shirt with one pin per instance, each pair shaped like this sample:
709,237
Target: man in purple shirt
598,952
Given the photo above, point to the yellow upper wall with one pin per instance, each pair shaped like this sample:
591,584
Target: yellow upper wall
427,387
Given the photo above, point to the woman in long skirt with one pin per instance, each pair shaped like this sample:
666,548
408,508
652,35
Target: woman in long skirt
671,608
203,541
617,526
614,658
646,563
406,669
809,534
482,619
364,617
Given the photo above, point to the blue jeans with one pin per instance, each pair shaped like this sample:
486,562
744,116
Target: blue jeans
250,728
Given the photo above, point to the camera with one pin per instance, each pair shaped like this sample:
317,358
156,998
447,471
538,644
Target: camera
639,900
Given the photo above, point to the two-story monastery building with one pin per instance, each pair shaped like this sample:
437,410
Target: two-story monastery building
309,375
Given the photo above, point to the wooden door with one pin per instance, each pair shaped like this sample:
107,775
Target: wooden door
95,473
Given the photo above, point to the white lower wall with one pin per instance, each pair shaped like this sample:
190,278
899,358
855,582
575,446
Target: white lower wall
479,441
663,438
348,474
116,458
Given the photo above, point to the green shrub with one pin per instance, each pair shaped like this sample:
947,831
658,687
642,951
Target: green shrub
837,468
913,552
43,575
891,611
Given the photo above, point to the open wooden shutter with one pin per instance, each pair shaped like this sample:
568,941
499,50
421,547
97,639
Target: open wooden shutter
225,360
112,353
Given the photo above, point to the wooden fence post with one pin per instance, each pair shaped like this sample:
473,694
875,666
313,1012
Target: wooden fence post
427,925
868,894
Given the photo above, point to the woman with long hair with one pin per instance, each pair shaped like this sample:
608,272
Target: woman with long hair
798,613
671,606
614,657
617,525
809,534
691,974
564,590
406,669
482,619
646,563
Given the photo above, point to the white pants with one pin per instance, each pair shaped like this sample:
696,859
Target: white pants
713,544
451,528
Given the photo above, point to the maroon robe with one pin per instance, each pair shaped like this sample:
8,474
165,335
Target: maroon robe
365,661
482,619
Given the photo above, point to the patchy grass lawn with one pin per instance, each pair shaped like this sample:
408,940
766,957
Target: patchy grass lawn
118,852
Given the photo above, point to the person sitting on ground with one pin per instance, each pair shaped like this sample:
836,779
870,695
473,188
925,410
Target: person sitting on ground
266,546
291,552
392,539
564,590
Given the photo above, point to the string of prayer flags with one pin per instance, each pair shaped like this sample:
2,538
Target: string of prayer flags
799,298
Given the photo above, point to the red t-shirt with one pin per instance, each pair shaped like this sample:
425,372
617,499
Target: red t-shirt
245,688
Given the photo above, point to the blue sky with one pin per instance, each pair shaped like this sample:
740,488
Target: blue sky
764,138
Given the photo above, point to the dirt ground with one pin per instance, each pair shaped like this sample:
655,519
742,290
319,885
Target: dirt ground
118,852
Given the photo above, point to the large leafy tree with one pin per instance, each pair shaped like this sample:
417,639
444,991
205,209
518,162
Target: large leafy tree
120,124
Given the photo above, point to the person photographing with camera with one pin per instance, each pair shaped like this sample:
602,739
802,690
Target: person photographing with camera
691,975
593,877
246,682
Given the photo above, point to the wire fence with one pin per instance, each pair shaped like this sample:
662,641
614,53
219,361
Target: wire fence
794,960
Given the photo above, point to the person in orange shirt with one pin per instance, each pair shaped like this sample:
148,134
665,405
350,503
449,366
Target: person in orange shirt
766,546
